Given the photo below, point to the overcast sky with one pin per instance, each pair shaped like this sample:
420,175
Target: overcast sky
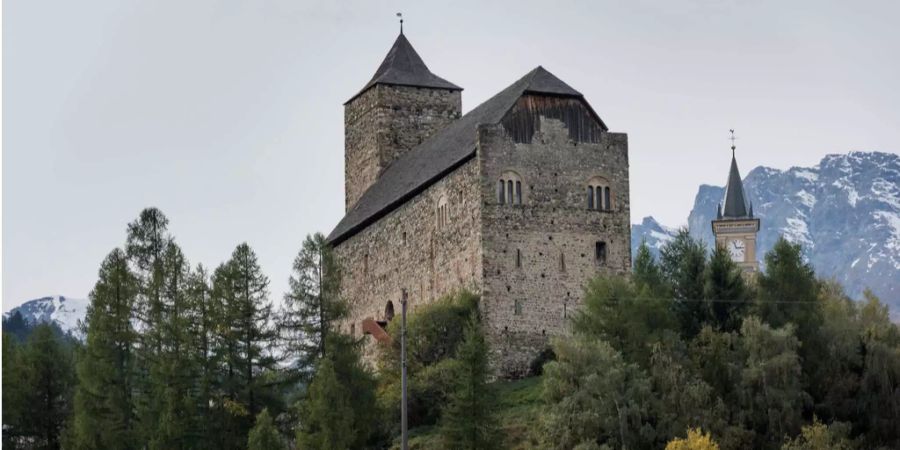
227,114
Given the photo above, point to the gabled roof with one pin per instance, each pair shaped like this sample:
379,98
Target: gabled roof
735,205
402,66
446,150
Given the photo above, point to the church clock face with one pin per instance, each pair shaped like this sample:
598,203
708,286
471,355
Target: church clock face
736,248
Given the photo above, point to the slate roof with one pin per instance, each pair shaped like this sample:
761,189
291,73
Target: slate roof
735,205
443,152
404,67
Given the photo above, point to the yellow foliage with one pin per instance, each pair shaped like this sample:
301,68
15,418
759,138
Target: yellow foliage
695,440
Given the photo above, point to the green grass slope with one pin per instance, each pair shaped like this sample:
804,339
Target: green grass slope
518,412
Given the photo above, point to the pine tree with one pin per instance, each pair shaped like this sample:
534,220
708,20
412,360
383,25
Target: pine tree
646,272
48,380
326,416
683,265
468,420
725,290
264,435
104,405
312,306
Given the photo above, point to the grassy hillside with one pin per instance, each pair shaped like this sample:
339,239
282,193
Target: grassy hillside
518,415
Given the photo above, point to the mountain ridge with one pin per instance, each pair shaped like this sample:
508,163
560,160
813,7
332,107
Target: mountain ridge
844,211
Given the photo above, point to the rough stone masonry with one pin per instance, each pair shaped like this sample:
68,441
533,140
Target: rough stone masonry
522,200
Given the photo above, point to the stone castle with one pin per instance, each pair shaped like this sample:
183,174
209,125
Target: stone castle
521,200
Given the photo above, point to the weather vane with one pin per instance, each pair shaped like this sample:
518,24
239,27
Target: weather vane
732,141
400,15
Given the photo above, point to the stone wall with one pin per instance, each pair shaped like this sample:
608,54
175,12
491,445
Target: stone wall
411,249
553,232
386,121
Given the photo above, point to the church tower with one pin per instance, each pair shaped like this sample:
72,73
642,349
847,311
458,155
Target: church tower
735,227
401,106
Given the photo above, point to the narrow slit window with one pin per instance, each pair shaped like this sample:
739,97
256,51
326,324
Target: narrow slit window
562,262
599,199
518,259
518,192
600,252
606,203
509,193
590,197
517,307
501,192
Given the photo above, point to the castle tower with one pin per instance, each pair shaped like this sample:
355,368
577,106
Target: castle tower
735,227
401,106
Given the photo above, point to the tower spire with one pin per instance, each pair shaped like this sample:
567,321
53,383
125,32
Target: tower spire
732,142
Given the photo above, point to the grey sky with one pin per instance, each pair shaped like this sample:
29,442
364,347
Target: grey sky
227,114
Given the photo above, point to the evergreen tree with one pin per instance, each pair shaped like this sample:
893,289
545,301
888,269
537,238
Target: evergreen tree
246,336
264,435
312,305
468,420
48,380
647,273
326,416
13,391
146,244
726,291
174,376
203,323
788,290
684,266
104,406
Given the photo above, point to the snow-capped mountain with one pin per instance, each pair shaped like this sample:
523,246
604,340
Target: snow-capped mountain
845,211
65,311
656,235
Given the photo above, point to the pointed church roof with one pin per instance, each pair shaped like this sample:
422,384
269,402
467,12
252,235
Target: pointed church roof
404,67
735,205
443,152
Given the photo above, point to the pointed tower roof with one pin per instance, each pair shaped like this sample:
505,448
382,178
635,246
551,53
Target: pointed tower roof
404,67
735,205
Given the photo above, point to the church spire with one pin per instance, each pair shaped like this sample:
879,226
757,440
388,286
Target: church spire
735,203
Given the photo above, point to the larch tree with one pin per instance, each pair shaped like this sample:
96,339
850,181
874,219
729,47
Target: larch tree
468,419
146,243
312,306
48,381
248,336
104,404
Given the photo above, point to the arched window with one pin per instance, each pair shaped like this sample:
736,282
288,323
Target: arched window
443,213
509,189
599,197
